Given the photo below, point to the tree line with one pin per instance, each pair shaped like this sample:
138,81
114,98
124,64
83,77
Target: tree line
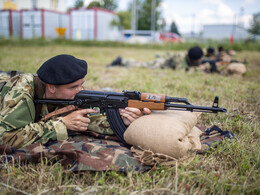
144,15
143,12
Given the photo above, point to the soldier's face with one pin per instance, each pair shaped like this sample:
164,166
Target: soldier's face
68,91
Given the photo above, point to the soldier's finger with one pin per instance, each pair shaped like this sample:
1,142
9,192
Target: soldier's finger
85,120
82,127
128,117
146,111
126,113
134,110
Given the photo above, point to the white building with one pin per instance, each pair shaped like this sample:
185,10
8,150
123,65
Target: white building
37,23
93,24
56,5
224,31
48,19
10,23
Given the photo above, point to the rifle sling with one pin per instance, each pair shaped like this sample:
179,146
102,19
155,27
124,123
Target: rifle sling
59,112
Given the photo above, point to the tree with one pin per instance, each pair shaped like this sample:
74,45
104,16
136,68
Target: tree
144,14
79,3
174,28
94,4
255,24
161,24
106,4
110,5
124,20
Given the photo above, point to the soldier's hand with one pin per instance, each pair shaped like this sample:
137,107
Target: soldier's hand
204,66
130,114
78,120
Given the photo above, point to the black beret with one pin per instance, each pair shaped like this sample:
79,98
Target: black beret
220,48
211,50
62,69
195,53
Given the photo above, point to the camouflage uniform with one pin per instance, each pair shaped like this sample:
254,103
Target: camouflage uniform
173,61
4,77
95,152
17,116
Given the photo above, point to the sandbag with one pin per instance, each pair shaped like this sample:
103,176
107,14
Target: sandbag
236,69
166,132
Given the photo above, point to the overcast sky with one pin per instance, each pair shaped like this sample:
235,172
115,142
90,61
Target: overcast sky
191,15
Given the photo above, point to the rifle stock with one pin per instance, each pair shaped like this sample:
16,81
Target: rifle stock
110,102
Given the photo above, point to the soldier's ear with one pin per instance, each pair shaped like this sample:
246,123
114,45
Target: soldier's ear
51,88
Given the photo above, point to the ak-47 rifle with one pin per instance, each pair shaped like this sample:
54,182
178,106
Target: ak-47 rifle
110,102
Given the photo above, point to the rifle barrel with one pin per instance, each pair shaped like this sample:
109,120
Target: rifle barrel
192,108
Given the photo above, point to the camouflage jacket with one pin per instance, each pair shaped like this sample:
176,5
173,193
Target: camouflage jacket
178,61
17,116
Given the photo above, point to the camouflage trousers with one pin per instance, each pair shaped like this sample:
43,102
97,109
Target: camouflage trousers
94,152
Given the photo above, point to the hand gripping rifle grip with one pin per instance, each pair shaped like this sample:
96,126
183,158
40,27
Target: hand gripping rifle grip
117,124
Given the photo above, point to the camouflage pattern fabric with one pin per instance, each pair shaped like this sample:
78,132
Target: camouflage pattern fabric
17,116
176,61
93,151
4,77
211,137
172,61
78,153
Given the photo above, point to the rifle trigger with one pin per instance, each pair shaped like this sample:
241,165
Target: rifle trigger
215,103
102,110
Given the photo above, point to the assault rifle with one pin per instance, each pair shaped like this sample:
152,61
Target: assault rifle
110,102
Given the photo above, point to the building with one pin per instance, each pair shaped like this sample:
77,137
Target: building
41,23
224,31
10,23
56,5
29,19
93,24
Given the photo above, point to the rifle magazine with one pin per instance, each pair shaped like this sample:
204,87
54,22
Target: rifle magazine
117,124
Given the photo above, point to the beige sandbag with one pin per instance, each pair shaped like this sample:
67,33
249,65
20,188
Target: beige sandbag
236,69
165,132
194,138
150,158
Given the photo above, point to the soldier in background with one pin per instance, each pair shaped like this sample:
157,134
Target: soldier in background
159,62
194,60
210,54
222,54
212,64
228,66
174,61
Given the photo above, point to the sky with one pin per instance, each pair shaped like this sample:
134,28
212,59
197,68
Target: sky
191,15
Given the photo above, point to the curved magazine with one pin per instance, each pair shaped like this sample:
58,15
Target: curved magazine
117,124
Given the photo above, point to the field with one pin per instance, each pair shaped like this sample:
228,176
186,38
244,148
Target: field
232,168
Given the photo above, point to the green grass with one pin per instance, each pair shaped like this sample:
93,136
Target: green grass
232,168
237,45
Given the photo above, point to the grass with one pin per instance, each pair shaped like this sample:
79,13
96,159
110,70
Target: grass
231,168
